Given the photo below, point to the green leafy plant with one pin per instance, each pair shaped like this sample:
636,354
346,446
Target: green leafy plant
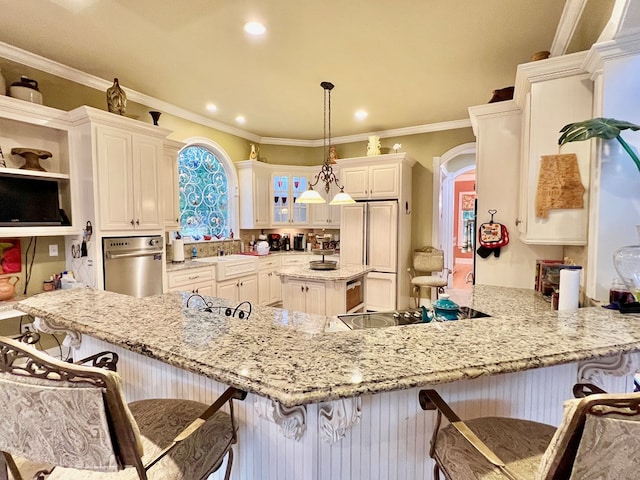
605,128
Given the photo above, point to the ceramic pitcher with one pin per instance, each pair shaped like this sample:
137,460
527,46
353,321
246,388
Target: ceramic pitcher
7,287
373,148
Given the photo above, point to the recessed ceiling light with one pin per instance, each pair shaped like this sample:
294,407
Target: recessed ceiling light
211,107
254,28
241,119
361,114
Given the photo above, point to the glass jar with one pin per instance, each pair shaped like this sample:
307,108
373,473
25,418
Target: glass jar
619,293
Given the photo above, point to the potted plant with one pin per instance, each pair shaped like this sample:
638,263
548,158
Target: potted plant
605,128
626,260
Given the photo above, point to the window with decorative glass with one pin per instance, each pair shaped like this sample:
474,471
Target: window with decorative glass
204,194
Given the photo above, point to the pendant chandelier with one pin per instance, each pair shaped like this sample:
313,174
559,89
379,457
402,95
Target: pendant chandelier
326,174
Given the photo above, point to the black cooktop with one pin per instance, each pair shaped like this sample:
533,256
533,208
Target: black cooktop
401,317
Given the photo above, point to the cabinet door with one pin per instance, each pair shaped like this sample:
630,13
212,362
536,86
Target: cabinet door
293,296
286,189
315,298
380,294
356,182
264,287
205,289
146,178
352,234
275,289
115,179
228,290
383,236
384,181
261,199
169,188
248,289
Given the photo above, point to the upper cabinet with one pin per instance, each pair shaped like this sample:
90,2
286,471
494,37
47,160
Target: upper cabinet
28,125
324,215
371,181
254,179
128,180
120,171
286,187
553,94
169,188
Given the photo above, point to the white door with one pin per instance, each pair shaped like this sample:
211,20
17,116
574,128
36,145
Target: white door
382,236
315,298
228,290
248,289
352,234
146,178
381,291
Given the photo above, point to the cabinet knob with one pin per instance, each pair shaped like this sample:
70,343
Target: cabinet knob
306,289
131,222
137,222
302,288
518,221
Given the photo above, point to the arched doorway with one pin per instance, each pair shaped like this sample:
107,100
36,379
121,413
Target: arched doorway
454,212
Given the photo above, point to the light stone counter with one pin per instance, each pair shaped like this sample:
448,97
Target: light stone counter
342,273
288,356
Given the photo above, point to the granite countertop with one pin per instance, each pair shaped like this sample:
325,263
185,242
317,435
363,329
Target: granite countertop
342,273
290,357
212,260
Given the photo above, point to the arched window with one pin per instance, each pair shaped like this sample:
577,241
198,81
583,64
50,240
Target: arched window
208,190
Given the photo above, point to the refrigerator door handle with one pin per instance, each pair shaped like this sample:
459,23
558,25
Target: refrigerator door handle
365,235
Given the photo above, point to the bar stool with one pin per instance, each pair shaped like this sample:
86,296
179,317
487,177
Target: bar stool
426,261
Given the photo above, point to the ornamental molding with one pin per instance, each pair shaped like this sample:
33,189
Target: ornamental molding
593,371
72,339
292,421
337,417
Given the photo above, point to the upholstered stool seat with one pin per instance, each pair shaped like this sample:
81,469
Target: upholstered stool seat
74,418
519,443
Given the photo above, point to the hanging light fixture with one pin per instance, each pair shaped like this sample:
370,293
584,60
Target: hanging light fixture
326,174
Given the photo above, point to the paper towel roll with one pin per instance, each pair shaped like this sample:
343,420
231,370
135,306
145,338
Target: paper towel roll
569,289
178,250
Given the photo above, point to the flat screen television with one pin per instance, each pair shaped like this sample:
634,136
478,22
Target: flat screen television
28,202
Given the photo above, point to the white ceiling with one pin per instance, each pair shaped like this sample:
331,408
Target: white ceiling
408,62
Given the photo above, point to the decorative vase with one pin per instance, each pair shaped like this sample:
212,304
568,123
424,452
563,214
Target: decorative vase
32,158
373,148
8,289
155,116
116,98
626,261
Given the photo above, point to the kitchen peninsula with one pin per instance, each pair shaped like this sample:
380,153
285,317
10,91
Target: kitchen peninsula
338,396
324,292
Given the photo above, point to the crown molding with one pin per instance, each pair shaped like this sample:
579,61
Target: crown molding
497,109
63,71
544,70
610,49
571,14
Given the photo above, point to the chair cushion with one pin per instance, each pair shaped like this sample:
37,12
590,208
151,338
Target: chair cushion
518,443
609,449
159,422
429,281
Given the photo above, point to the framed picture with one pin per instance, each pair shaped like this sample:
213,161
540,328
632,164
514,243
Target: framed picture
10,257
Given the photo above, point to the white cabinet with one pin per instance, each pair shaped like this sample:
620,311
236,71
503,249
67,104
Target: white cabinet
197,280
254,179
169,184
551,104
269,284
286,187
24,124
367,182
239,289
128,180
380,293
304,296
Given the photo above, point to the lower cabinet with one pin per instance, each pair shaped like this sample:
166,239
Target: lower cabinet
239,289
269,284
304,296
381,291
200,280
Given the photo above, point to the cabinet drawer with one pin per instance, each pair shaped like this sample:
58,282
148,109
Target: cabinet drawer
295,260
190,276
266,263
233,268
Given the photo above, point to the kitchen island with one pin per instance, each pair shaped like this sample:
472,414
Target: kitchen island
346,401
324,292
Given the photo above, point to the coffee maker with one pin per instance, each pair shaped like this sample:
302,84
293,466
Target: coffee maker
274,241
298,242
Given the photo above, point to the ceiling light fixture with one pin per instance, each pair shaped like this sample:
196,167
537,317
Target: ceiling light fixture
211,107
361,114
254,28
326,174
240,119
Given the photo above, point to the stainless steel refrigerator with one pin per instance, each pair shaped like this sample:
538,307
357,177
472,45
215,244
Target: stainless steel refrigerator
369,236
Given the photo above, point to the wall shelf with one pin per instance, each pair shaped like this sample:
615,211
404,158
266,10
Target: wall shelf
34,174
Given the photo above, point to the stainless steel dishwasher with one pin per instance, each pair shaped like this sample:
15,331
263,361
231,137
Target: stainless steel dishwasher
133,265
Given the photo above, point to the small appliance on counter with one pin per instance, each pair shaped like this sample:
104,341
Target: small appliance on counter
262,247
285,243
298,242
274,241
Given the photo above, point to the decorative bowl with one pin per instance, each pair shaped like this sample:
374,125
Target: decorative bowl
446,308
